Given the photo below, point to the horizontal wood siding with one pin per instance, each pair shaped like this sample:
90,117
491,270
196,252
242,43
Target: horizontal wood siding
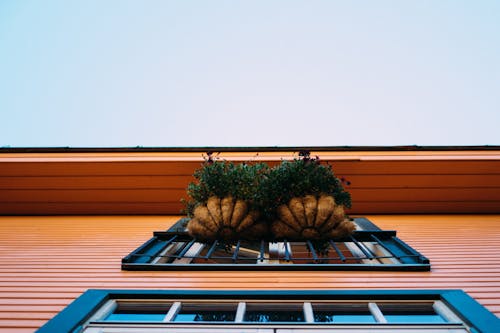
49,261
135,183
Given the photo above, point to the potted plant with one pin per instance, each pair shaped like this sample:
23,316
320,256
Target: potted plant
303,200
222,202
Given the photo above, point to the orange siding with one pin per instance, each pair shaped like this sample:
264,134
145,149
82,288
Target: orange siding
153,183
48,261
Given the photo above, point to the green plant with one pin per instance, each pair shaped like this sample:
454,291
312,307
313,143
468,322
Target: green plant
298,199
299,177
222,203
221,179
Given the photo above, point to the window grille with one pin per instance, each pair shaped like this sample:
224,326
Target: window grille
369,248
275,311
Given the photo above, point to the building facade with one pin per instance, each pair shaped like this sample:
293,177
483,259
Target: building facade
70,217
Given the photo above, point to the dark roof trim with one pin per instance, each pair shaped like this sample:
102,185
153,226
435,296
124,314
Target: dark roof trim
140,149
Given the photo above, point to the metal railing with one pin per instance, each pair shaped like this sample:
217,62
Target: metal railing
364,250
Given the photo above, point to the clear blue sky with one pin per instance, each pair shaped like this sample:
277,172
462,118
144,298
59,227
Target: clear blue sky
249,73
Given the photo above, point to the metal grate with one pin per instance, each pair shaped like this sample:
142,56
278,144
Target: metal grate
364,250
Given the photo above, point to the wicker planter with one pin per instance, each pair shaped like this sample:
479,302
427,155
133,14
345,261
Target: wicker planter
226,219
311,218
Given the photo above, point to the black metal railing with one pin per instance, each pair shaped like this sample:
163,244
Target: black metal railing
364,250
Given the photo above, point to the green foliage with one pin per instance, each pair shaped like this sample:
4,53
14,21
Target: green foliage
297,178
264,188
221,178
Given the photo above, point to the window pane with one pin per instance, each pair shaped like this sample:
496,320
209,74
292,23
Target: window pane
206,312
132,316
410,313
342,313
139,312
266,312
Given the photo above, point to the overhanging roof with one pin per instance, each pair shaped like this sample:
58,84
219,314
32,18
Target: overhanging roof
385,180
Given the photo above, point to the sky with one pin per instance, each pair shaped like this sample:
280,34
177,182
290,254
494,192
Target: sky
120,73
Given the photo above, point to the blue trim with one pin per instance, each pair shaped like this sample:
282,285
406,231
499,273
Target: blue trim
141,250
471,312
76,313
281,294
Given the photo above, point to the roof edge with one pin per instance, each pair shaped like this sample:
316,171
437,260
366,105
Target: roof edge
24,150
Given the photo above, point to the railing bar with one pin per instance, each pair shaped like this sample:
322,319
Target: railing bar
290,252
239,258
311,248
370,252
185,249
379,242
294,258
262,250
170,241
212,249
135,254
287,253
408,249
368,255
312,264
236,250
341,256
403,245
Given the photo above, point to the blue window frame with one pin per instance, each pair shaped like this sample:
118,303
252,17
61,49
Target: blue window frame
272,311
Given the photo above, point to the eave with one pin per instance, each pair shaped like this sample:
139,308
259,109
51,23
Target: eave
151,181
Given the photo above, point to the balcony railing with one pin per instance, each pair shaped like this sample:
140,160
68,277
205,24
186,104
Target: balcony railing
364,250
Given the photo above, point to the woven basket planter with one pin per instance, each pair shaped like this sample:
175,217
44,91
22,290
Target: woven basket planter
311,218
226,219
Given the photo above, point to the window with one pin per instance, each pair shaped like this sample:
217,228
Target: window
369,248
127,311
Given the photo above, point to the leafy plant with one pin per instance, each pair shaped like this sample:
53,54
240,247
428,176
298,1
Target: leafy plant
221,178
302,176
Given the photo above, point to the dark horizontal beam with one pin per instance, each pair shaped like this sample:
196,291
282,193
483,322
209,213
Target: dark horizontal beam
23,150
361,235
276,267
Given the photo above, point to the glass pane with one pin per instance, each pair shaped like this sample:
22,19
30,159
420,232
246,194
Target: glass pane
342,313
266,312
132,316
410,313
139,312
206,312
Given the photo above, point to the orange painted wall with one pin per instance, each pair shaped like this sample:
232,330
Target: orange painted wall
48,261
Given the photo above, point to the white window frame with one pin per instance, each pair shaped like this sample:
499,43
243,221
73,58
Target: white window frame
88,313
97,323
